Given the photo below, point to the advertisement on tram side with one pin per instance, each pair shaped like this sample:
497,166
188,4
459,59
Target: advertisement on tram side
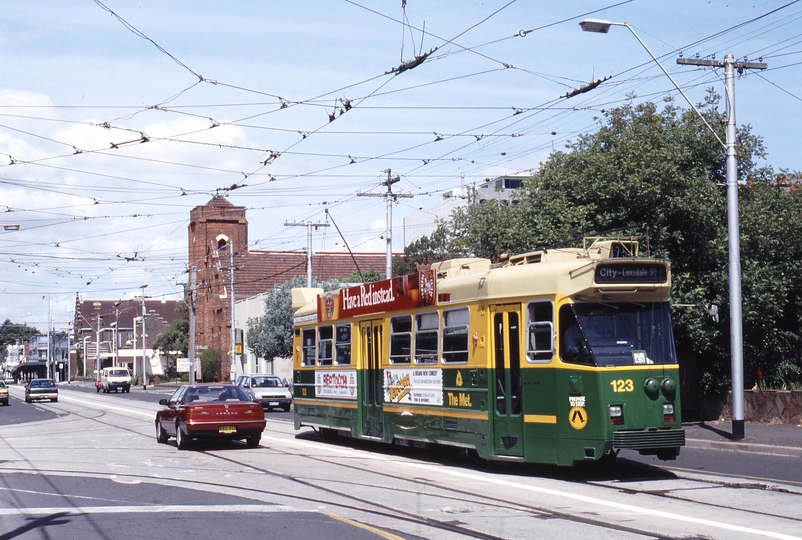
396,294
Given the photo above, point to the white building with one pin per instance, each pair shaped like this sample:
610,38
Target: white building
424,221
251,308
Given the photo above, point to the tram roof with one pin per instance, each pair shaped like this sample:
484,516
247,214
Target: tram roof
566,271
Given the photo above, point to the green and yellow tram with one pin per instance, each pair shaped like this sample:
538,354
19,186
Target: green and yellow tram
557,356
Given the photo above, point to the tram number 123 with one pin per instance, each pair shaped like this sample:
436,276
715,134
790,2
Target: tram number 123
622,385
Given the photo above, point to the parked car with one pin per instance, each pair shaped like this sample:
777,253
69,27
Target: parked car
266,389
210,411
38,389
113,379
3,393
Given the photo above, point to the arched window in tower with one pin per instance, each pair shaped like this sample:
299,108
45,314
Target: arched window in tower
222,241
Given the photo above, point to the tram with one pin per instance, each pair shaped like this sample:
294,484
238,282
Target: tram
557,356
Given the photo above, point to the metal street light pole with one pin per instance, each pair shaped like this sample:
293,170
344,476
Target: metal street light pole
144,343
192,330
97,306
232,366
733,234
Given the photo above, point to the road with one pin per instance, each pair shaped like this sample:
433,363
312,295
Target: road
89,467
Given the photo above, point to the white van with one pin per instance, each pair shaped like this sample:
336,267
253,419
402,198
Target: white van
112,378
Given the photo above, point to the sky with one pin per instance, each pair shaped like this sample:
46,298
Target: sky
119,117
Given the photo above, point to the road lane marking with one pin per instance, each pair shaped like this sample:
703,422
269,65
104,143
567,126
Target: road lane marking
154,509
374,530
104,406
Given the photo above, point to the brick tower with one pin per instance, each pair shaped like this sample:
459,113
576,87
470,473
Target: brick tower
214,230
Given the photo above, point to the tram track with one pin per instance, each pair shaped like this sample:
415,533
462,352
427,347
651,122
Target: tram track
358,504
369,507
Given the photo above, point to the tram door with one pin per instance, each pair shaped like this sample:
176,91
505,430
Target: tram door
372,395
507,417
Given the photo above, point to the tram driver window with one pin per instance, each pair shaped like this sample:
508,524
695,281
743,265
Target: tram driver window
308,347
455,335
426,338
343,345
400,339
540,332
573,345
324,345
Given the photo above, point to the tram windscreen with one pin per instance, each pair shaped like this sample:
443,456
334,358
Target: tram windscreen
616,334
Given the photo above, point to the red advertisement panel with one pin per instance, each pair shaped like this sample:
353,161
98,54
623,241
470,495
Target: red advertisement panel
396,294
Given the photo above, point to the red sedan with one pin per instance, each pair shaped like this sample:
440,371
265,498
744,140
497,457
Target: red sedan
210,411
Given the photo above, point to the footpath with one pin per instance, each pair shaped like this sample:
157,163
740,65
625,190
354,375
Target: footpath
759,438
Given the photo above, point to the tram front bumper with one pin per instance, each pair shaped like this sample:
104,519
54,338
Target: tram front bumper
650,441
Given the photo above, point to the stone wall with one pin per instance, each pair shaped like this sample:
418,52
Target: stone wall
768,406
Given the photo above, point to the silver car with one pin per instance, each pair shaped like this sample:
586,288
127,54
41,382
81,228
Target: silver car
266,389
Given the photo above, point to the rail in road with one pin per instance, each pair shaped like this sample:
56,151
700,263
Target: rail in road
90,463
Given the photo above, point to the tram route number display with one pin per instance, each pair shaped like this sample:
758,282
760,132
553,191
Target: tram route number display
419,386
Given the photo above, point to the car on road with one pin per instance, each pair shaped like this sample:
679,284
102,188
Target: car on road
210,411
113,379
3,393
38,389
266,389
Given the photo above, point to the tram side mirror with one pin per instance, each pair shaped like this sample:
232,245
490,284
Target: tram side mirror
713,312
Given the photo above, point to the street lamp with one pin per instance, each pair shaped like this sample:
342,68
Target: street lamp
733,236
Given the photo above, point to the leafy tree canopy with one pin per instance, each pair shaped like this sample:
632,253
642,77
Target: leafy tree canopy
175,336
661,173
368,275
10,333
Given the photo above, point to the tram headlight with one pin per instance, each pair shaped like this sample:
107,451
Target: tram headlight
668,413
616,415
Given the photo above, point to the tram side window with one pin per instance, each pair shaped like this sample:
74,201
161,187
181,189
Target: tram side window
455,335
324,345
540,340
426,338
308,347
343,344
400,339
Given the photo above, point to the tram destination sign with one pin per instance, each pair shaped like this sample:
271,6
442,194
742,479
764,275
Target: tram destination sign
396,294
631,273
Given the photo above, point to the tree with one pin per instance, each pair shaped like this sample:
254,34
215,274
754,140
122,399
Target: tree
10,333
425,251
175,336
368,275
661,173
210,365
270,335
771,253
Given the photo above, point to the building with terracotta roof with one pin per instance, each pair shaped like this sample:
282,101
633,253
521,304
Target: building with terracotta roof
218,242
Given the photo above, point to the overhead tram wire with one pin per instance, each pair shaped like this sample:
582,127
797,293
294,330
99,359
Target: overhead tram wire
142,35
375,92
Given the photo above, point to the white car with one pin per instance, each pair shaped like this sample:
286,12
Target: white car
266,389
